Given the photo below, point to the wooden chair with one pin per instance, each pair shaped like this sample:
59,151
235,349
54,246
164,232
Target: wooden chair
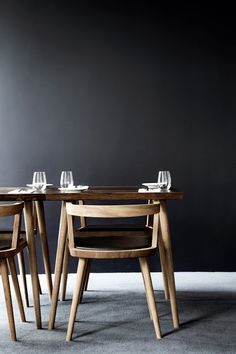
112,247
115,230
6,234
8,249
86,229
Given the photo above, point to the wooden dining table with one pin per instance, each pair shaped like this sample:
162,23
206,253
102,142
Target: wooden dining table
93,193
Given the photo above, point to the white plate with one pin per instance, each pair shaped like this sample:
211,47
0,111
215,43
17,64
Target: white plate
74,188
32,186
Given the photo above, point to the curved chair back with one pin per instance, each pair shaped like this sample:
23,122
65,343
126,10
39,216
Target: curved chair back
112,211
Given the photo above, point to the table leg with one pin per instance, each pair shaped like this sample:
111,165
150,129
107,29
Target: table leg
163,268
165,234
58,265
29,224
44,242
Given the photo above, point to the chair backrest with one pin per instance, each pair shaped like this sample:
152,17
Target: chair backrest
112,211
15,210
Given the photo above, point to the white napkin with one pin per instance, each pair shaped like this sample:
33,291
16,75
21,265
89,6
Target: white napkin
145,190
152,190
22,191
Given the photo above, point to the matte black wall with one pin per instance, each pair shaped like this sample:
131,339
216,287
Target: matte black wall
116,93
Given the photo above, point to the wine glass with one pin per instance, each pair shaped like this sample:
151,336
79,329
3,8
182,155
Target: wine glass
164,180
66,179
39,180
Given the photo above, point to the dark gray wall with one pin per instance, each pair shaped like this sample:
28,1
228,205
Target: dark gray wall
116,93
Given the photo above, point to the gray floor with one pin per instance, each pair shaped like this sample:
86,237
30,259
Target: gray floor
114,318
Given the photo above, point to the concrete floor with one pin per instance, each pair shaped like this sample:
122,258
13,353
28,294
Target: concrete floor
113,317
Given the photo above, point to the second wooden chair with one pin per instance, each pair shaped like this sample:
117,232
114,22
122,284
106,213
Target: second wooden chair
39,226
112,247
8,249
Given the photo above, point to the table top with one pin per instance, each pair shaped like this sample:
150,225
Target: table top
93,193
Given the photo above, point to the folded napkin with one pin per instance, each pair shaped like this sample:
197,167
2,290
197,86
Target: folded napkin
145,190
22,191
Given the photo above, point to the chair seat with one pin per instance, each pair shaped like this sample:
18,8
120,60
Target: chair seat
116,230
113,242
114,227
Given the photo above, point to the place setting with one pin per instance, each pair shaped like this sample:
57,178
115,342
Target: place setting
39,184
67,183
163,183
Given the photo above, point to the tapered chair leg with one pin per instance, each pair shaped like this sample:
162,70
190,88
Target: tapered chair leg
65,276
87,276
65,269
16,288
39,286
85,280
23,274
38,281
21,263
7,294
77,291
149,309
44,243
46,267
150,295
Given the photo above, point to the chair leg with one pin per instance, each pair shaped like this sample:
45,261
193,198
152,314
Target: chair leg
16,288
21,263
85,280
87,276
7,294
78,289
164,269
150,294
38,281
44,244
64,273
39,285
150,313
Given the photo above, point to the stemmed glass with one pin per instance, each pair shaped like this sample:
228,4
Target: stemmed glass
164,180
66,179
39,180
